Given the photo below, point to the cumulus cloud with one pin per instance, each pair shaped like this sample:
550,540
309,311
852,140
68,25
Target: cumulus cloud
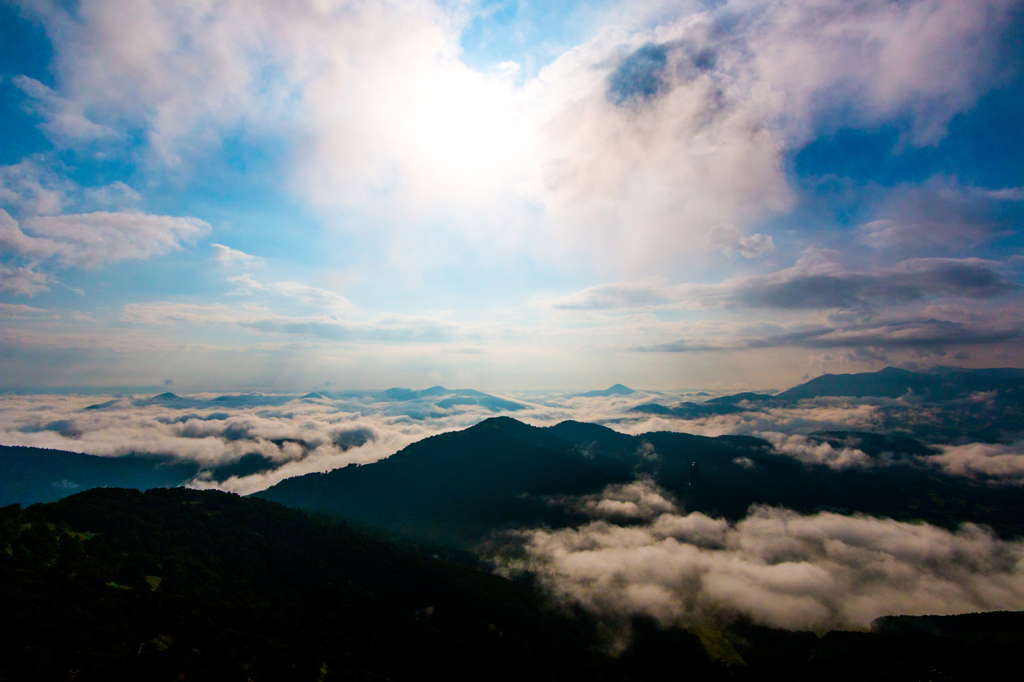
641,140
731,241
637,500
776,567
818,452
996,462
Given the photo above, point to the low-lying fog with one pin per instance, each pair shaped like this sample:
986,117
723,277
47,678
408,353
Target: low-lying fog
297,435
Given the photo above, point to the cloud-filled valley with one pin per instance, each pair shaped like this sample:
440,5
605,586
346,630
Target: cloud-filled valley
284,435
775,567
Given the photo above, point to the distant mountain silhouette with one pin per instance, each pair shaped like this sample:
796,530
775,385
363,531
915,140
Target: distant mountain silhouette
892,382
617,389
936,385
451,397
688,410
30,475
738,397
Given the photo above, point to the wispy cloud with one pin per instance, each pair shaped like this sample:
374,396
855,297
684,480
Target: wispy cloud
64,121
90,240
396,328
227,256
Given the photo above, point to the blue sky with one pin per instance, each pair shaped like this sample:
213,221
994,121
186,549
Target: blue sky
507,194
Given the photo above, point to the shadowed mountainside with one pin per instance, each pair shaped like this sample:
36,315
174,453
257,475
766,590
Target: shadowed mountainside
116,584
459,484
30,475
179,584
456,487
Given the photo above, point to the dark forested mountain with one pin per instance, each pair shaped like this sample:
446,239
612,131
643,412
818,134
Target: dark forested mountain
179,584
456,487
29,475
735,472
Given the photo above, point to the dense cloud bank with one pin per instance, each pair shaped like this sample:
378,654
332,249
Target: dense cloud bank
643,555
294,435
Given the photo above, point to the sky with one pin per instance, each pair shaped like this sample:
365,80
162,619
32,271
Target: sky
507,195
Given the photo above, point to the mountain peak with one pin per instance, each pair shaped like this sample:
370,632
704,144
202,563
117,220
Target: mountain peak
617,389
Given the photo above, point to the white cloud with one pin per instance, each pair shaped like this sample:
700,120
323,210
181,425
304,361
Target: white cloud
731,241
818,452
32,187
225,255
116,194
320,298
15,310
64,121
632,173
246,285
998,462
22,280
618,295
775,567
1006,194
386,328
89,240
313,296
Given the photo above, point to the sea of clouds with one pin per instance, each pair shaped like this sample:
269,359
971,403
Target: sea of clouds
298,435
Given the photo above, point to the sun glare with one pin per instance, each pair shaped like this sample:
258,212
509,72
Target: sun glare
466,125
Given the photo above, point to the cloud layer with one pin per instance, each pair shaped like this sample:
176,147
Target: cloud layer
297,435
776,567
